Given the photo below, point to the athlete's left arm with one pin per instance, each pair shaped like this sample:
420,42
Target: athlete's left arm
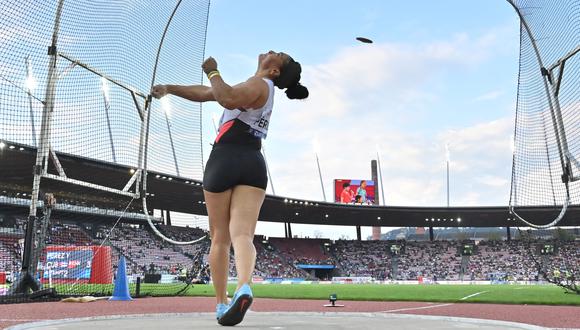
243,95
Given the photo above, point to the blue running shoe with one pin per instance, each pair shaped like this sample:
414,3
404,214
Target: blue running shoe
220,309
237,309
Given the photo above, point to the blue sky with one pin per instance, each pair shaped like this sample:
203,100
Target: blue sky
438,72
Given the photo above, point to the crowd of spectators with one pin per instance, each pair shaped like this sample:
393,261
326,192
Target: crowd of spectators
438,260
363,258
509,259
145,252
271,263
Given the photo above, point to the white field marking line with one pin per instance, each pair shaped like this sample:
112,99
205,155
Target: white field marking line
23,320
473,295
414,308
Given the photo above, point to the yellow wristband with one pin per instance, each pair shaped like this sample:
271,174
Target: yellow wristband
213,74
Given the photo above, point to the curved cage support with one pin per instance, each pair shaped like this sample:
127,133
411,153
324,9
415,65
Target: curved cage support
535,163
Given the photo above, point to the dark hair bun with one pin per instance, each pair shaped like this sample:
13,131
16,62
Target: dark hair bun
297,92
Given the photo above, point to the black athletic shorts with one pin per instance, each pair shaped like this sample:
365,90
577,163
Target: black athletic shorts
230,165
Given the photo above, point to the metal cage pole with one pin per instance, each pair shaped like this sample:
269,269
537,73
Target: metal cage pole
27,281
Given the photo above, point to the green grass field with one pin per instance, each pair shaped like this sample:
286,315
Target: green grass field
503,294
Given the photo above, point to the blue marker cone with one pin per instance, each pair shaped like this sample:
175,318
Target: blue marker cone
121,290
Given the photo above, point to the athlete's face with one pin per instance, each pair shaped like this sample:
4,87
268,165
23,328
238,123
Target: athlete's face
272,59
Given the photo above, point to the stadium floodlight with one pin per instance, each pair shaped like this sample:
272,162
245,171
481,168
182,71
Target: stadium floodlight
132,171
315,146
158,176
285,200
326,215
512,144
378,218
105,88
21,149
458,219
30,82
297,213
2,145
166,106
12,147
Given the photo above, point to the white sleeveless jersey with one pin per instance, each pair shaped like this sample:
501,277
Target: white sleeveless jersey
257,119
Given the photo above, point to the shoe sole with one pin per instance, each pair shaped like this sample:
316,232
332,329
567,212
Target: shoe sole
236,313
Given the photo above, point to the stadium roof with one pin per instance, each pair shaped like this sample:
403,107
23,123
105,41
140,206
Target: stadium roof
185,195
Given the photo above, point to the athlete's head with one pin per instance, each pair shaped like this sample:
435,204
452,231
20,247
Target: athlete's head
284,72
363,184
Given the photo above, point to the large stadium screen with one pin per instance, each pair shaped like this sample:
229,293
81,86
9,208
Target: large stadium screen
354,191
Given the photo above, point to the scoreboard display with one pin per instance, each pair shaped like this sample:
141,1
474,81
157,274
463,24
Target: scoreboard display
83,264
69,264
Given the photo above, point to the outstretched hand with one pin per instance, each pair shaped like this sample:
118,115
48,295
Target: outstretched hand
209,65
159,91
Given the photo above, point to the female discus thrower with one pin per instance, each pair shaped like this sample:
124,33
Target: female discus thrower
235,176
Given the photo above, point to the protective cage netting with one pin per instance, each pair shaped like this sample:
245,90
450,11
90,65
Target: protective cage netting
537,167
106,55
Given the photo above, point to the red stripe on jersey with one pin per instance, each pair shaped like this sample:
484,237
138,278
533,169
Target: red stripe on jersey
225,127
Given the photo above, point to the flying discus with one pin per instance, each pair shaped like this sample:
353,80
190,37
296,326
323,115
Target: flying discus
365,40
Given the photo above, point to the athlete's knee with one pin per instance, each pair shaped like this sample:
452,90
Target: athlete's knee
220,239
241,235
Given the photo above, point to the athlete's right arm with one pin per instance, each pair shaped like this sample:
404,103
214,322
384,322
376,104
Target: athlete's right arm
197,93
